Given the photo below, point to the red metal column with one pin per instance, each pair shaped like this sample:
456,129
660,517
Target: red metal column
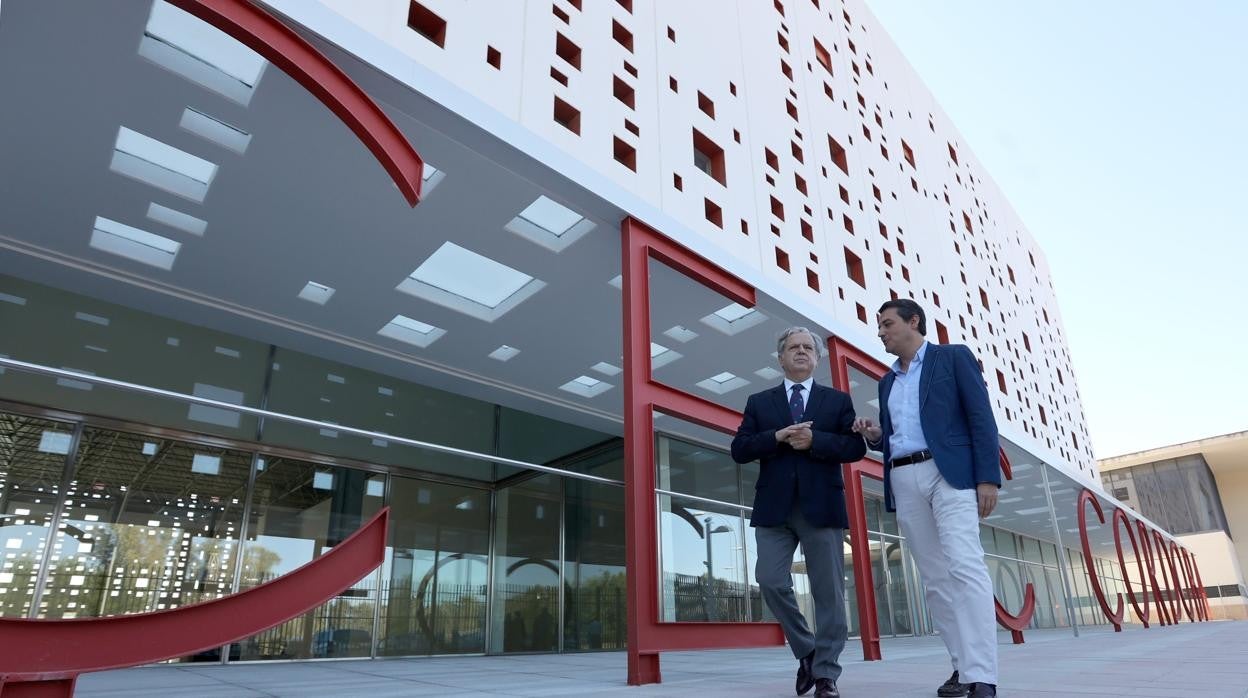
864,581
841,355
647,635
640,512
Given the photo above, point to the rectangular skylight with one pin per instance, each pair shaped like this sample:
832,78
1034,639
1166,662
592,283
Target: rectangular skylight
184,44
606,369
430,176
410,331
550,224
91,318
132,243
205,464
471,283
215,415
768,373
722,383
504,353
734,318
661,355
215,130
55,442
680,333
161,165
586,386
734,312
176,219
316,293
554,218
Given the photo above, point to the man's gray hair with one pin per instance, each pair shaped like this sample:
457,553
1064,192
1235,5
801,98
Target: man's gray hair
798,330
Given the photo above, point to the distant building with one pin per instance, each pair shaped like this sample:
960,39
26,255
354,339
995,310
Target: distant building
1198,491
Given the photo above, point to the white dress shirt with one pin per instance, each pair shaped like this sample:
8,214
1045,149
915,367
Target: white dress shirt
903,407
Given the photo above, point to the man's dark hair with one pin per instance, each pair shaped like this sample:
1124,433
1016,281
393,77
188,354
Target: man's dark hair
907,309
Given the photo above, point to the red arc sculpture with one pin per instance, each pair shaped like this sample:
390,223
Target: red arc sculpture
43,658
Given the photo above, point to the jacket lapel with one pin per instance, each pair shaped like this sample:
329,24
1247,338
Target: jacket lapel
931,361
781,402
886,387
816,397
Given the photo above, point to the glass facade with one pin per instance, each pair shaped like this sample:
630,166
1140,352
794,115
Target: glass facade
114,503
1179,494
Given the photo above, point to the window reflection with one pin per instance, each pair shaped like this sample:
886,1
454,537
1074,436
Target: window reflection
435,572
703,565
32,461
594,575
526,567
300,511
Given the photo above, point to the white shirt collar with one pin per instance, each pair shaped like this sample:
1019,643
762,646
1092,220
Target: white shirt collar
916,361
806,385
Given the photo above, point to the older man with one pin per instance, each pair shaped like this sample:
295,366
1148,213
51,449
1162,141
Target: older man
801,432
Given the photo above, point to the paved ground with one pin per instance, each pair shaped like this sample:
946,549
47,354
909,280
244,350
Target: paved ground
1204,659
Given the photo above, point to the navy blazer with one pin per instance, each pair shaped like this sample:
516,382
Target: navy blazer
813,476
957,419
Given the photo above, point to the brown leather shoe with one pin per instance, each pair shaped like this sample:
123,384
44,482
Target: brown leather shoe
805,674
826,688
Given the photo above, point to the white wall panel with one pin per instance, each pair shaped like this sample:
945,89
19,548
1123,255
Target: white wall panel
876,104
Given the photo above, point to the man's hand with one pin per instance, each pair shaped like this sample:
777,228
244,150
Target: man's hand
801,437
868,428
786,434
987,498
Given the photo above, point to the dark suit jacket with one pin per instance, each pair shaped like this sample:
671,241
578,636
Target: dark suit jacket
957,419
811,477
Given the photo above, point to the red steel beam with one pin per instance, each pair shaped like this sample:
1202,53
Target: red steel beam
281,46
647,635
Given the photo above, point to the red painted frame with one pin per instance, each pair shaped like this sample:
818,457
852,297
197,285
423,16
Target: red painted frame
647,635
842,355
281,46
43,658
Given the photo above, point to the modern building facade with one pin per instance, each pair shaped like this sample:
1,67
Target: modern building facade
622,204
1190,489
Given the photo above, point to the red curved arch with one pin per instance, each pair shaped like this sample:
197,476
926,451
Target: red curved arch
1172,583
1016,624
1115,617
1120,519
281,46
1172,551
58,650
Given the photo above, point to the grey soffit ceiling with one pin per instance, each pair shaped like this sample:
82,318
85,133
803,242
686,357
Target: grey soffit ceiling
305,202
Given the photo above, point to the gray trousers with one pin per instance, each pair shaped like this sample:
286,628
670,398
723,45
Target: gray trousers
825,566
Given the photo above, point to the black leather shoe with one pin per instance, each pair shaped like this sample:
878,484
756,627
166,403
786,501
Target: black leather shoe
826,688
952,688
983,690
805,674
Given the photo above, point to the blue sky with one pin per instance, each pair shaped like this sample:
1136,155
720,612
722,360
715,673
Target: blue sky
1116,129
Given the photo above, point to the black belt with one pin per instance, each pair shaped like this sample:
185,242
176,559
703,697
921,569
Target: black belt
917,457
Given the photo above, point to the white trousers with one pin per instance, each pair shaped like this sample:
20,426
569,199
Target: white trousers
941,526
